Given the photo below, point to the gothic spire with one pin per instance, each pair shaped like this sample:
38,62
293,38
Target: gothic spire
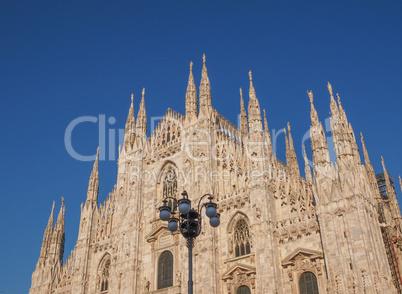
365,153
93,186
47,235
265,121
333,106
370,170
142,117
51,218
319,145
252,94
268,134
191,96
291,158
349,131
400,183
389,189
341,110
307,169
395,211
291,146
58,233
205,91
60,217
313,112
345,146
254,113
243,116
129,132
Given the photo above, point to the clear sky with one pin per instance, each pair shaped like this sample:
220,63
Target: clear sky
61,60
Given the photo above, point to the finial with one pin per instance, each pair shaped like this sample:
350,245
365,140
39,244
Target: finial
143,93
62,200
191,66
97,152
53,207
305,156
310,95
250,76
203,58
330,89
361,137
265,122
286,141
289,127
241,93
382,161
339,99
132,98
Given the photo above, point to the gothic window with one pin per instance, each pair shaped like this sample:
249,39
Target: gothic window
170,187
103,275
243,290
241,238
165,270
308,283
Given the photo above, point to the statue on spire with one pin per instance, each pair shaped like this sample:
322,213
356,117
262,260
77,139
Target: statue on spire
205,98
330,89
310,95
313,112
254,113
191,103
307,169
243,116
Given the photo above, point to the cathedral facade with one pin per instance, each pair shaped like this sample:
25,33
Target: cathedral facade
329,232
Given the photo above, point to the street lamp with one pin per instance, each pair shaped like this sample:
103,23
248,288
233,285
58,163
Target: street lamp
190,221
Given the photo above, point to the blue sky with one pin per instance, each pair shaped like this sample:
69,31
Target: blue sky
61,60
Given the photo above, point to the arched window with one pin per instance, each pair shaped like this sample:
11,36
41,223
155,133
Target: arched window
241,238
308,283
170,187
165,270
243,290
103,275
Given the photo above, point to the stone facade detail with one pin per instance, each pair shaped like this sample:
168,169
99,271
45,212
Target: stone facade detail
275,224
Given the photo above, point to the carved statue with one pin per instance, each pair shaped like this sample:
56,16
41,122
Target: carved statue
310,95
330,89
147,285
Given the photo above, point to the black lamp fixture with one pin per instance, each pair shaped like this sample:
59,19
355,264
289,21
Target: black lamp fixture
189,222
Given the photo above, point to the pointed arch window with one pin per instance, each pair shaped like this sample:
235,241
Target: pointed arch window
165,270
308,283
170,187
242,238
103,275
243,290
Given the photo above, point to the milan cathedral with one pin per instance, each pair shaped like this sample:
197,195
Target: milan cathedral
331,231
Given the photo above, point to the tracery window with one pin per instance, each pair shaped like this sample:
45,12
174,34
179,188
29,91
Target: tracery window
243,290
170,187
165,270
308,283
104,276
241,238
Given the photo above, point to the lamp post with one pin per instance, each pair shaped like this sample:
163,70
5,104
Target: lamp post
190,221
